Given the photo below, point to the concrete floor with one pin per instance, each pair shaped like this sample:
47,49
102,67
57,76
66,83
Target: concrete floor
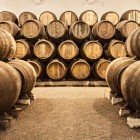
70,113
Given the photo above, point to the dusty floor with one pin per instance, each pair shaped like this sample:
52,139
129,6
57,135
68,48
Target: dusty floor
70,113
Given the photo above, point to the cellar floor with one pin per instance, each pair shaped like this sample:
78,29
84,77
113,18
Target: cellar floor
70,113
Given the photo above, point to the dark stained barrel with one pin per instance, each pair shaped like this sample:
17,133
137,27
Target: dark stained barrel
10,86
114,71
80,69
37,66
103,30
56,70
92,50
131,15
130,80
115,49
111,16
10,27
79,31
27,73
47,17
33,29
68,50
133,44
57,31
23,50
125,28
68,17
100,67
7,45
44,49
89,17
8,16
24,16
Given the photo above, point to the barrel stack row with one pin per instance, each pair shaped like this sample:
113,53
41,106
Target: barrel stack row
123,74
70,47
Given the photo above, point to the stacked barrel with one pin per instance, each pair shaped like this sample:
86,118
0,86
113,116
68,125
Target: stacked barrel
71,47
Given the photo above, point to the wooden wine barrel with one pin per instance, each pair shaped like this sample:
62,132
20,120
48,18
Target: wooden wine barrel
103,30
130,85
128,49
24,16
100,67
131,15
57,31
8,16
68,17
10,86
89,17
111,16
68,50
92,50
37,66
23,49
27,73
125,28
7,45
47,17
80,69
56,70
10,27
44,49
33,29
79,31
115,49
132,45
114,71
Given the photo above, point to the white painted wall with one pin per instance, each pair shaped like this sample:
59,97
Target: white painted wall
78,6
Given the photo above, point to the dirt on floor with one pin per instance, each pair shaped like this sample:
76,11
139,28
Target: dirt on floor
70,116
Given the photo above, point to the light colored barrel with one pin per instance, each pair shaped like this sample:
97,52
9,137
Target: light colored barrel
44,49
79,31
47,17
111,16
7,45
114,72
24,16
27,73
68,17
37,66
80,69
68,50
89,17
57,31
10,86
10,27
131,15
56,70
115,49
100,67
125,28
130,85
132,44
33,29
23,49
92,50
103,30
8,16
